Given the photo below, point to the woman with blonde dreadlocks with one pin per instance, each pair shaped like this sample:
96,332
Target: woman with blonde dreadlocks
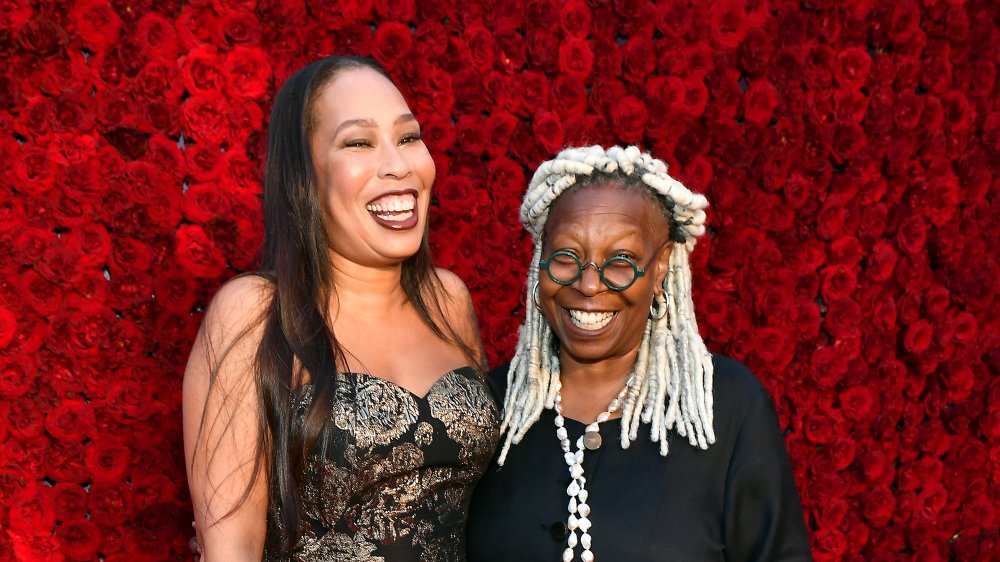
610,349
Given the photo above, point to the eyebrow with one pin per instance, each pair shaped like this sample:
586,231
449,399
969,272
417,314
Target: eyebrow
370,123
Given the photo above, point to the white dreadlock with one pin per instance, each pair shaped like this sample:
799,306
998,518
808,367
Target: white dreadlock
673,370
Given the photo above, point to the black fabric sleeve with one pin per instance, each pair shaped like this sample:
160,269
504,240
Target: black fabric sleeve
763,516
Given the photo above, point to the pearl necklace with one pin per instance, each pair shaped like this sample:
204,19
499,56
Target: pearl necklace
591,439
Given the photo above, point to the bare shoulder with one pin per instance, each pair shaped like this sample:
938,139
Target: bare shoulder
230,332
453,285
242,295
458,309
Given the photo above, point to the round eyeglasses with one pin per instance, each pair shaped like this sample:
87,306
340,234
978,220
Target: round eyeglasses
617,273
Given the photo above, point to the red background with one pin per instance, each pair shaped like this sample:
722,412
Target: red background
849,151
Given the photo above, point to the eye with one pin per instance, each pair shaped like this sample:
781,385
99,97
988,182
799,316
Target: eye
411,137
357,143
566,257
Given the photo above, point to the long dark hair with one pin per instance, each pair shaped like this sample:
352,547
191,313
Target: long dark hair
296,323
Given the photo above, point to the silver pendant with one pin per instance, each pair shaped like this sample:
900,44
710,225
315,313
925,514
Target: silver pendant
592,440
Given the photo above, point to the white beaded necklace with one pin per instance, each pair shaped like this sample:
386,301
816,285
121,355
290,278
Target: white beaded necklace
591,439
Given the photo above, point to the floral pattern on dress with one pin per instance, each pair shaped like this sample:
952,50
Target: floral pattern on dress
397,474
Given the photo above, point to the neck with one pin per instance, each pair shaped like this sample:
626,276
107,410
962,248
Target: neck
373,291
607,373
588,388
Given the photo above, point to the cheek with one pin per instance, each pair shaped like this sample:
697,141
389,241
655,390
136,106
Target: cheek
546,301
425,168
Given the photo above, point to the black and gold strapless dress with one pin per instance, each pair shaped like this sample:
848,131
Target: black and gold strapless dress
395,481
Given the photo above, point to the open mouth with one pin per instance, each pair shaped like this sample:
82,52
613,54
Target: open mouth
590,321
396,211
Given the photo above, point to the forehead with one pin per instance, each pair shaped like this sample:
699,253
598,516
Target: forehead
359,93
605,210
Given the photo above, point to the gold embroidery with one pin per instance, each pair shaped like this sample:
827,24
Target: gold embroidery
398,471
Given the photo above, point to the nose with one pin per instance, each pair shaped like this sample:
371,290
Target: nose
589,282
393,163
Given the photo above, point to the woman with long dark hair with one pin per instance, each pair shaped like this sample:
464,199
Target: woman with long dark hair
334,406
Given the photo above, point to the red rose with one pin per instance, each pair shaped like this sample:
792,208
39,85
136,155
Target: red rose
35,546
196,253
241,28
832,219
629,117
205,117
912,235
770,343
73,114
111,504
80,539
156,36
393,43
108,461
158,81
340,15
201,70
838,283
918,336
786,68
759,101
695,99
959,378
963,327
569,98
575,18
576,60
41,36
8,327
831,544
504,175
675,19
131,255
16,376
884,314
544,49
34,171
64,463
848,140
500,126
502,91
843,318
439,134
639,59
32,510
433,92
470,131
879,506
71,420
549,131
756,50
247,73
204,202
69,501
727,23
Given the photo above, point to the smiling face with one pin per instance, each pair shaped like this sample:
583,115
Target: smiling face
373,172
595,223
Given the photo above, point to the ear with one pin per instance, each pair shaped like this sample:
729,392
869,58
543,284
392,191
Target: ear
661,266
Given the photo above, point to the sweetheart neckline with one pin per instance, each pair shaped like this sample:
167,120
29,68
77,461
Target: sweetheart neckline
427,393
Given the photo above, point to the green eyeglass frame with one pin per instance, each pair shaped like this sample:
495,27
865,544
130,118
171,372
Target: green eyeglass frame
580,266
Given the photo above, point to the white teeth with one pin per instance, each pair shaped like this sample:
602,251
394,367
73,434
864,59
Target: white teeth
393,204
590,320
398,217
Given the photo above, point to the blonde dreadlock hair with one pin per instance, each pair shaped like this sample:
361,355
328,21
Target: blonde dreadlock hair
672,388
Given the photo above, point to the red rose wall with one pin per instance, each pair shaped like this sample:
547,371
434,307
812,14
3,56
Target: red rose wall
849,149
